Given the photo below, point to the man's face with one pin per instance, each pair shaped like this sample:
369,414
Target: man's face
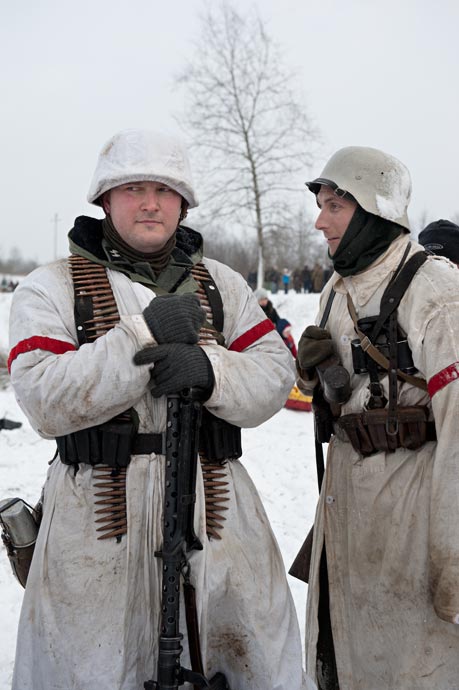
334,217
145,214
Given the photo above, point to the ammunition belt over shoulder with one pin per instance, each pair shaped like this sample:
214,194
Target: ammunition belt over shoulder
110,445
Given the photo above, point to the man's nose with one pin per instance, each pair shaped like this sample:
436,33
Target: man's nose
320,223
150,200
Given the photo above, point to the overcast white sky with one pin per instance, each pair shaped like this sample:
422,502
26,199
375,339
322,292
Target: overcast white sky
382,74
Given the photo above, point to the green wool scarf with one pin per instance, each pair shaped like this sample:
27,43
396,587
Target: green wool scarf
366,238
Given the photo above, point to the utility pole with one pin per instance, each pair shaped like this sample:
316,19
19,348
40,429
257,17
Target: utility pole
55,219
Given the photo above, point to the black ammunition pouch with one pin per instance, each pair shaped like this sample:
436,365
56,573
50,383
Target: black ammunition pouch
218,440
369,431
111,443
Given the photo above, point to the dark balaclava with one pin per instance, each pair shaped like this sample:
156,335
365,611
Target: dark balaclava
366,238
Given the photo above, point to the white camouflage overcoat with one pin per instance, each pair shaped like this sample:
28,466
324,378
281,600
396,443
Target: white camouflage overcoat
390,521
90,615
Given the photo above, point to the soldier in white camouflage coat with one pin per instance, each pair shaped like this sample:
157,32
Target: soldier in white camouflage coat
383,598
90,617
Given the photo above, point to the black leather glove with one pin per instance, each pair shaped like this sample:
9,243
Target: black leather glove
177,366
175,318
314,347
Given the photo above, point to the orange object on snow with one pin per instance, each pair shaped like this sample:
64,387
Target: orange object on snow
298,400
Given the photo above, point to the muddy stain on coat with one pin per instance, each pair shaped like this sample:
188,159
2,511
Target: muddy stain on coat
234,646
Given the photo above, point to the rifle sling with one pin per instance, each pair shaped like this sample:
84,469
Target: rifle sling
192,626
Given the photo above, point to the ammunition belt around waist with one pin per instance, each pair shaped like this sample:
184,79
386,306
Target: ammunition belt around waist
368,431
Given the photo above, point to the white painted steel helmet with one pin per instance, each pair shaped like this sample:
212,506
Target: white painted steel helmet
380,183
136,155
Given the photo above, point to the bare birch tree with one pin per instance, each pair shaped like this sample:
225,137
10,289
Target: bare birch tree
251,138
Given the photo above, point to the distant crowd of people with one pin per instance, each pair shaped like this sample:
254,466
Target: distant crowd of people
304,279
439,237
8,285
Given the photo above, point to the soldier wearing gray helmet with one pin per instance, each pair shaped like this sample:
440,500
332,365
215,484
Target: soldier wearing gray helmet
383,598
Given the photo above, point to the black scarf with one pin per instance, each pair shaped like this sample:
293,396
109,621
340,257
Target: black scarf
157,260
366,238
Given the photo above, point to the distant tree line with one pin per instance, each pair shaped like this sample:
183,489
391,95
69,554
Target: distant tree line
292,246
16,264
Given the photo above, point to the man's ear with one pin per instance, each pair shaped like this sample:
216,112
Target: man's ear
106,203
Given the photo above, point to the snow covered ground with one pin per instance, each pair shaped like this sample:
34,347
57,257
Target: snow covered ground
279,456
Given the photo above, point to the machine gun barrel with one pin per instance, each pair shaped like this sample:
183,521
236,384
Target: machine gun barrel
182,440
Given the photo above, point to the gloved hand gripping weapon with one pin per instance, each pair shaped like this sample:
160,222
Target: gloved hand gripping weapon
182,437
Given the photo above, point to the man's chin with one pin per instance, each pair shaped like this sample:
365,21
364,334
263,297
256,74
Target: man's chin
332,248
147,247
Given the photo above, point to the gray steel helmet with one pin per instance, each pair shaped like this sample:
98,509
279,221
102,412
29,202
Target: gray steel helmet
379,183
137,155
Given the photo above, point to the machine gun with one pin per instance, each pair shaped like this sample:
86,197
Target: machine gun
182,438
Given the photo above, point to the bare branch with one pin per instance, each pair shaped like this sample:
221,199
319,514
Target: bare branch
251,136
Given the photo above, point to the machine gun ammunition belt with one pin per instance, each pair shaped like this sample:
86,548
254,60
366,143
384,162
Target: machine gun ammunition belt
95,314
214,473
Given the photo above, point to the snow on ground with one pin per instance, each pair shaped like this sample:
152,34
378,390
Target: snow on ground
279,456
5,302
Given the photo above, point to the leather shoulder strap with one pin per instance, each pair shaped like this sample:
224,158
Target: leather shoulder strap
394,292
327,310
